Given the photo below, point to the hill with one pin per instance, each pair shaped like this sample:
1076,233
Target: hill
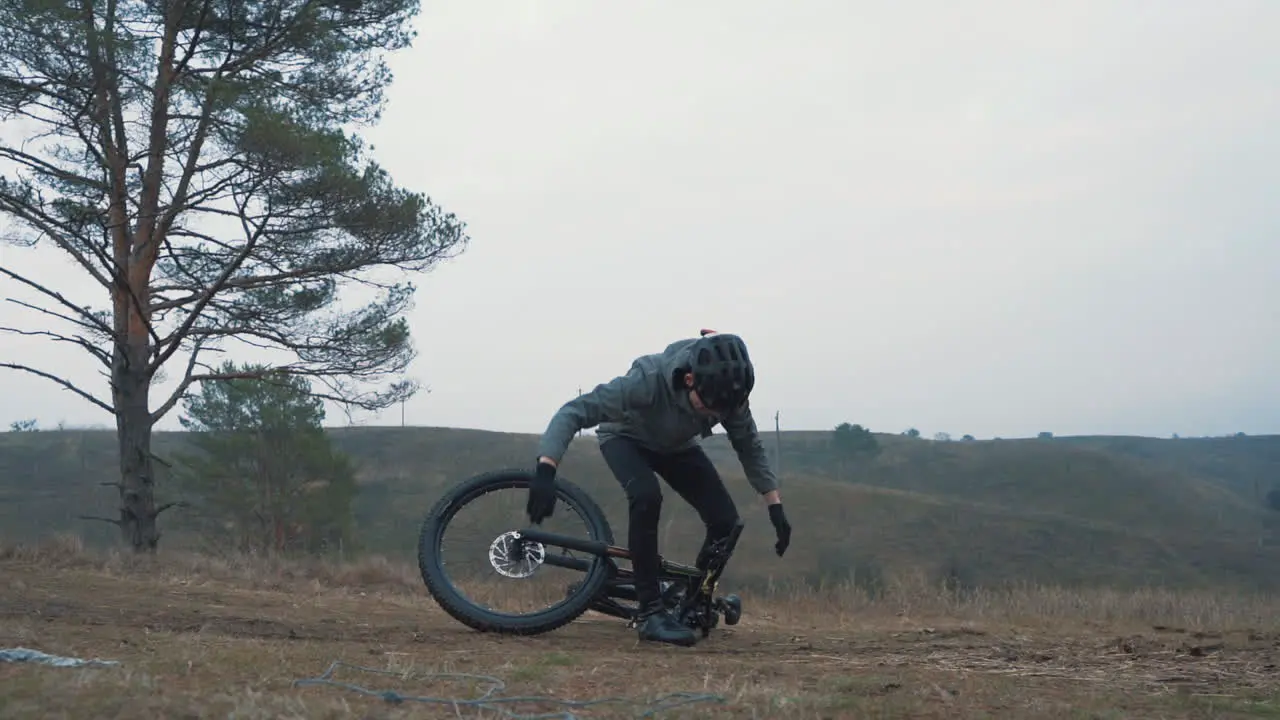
1247,465
1069,511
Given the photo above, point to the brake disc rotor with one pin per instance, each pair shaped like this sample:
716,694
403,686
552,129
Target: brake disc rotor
514,557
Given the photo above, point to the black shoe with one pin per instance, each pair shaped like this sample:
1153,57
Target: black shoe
657,625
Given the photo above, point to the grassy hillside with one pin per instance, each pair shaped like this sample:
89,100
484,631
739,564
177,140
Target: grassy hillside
1038,477
1065,510
1248,465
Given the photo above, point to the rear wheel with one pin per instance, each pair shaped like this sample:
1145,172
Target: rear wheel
509,566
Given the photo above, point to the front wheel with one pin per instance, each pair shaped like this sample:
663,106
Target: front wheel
509,566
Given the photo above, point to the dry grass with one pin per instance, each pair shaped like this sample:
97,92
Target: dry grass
910,595
917,596
373,573
200,636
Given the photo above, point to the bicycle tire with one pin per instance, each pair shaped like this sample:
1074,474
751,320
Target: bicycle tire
482,619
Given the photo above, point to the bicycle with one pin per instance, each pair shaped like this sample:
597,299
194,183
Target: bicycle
606,587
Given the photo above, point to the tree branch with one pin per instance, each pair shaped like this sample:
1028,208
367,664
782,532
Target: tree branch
195,37
64,383
117,523
174,504
44,167
193,158
52,227
93,322
97,352
111,74
264,376
148,210
115,157
175,338
65,318
180,391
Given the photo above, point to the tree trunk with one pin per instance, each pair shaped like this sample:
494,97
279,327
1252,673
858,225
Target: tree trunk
137,478
131,387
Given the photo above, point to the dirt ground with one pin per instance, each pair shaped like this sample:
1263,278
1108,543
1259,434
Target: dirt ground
193,648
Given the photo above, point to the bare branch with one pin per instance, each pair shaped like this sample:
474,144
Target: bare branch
64,383
93,320
117,523
55,229
48,168
180,391
193,159
113,152
345,400
175,338
118,279
46,311
148,211
97,352
174,504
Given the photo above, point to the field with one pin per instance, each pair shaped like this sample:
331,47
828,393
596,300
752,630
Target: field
1101,512
1097,577
197,636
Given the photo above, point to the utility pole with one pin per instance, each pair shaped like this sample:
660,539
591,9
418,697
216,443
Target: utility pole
777,442
402,412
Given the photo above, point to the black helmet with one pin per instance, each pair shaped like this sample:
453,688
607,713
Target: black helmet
722,371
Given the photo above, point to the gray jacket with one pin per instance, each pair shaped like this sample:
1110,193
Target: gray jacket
645,406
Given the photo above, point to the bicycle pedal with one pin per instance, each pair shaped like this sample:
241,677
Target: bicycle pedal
730,607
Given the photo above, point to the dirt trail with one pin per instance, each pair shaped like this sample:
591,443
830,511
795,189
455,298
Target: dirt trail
207,646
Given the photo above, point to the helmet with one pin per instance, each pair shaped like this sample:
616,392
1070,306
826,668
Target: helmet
722,371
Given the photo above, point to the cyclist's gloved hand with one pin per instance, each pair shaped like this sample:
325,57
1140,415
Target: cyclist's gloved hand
781,527
542,493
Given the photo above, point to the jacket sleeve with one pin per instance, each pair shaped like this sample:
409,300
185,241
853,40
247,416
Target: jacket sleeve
745,438
608,402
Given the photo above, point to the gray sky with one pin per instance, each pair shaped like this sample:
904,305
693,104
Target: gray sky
980,217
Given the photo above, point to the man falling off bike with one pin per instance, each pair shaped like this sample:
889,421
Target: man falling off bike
650,421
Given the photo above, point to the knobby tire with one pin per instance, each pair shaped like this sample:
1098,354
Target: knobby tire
482,619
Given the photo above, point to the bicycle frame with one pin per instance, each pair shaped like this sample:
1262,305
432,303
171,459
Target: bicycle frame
698,585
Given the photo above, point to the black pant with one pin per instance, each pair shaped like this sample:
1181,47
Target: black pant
688,472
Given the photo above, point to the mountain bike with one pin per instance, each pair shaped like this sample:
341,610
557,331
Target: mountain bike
518,553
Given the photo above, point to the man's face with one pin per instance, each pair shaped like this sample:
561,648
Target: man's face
696,400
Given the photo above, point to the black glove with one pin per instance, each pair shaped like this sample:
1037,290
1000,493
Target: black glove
781,527
542,493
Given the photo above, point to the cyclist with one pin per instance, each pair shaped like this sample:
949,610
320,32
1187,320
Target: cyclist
650,421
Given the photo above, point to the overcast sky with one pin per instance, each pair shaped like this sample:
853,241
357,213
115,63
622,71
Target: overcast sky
977,217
